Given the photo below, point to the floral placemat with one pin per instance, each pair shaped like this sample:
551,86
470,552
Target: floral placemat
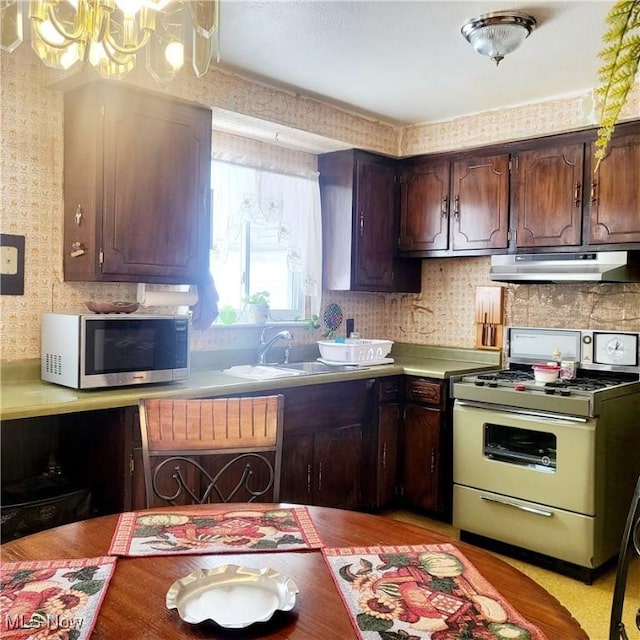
422,592
52,599
215,529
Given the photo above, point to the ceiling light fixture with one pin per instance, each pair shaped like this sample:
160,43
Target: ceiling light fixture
111,33
499,33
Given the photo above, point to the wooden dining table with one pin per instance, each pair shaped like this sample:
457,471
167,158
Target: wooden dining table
134,605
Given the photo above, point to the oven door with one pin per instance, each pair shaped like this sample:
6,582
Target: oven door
556,468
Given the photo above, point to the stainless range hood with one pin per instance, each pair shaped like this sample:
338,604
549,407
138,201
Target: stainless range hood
595,266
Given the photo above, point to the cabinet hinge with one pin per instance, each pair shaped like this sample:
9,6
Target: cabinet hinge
101,256
132,465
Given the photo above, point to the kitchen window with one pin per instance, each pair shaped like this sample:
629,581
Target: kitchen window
266,236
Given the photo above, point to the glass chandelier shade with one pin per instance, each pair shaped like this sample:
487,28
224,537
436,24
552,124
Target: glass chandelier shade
110,34
497,34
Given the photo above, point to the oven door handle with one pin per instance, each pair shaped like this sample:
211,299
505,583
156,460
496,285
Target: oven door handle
522,507
521,412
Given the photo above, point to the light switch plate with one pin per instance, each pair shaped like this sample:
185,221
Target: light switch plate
11,265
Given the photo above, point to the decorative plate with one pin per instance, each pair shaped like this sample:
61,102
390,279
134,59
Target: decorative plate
231,596
112,307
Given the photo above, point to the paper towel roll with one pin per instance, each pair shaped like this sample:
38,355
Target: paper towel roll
166,298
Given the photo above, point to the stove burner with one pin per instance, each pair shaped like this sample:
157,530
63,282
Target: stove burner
564,387
507,375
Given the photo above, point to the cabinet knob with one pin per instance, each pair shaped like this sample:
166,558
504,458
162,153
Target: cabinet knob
593,197
456,207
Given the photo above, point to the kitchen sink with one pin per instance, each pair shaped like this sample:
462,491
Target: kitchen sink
313,366
261,372
271,371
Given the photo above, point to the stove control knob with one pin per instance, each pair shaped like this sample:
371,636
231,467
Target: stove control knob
493,384
479,383
549,391
565,392
520,387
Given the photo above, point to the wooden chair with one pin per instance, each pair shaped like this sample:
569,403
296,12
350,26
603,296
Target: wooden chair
629,548
221,450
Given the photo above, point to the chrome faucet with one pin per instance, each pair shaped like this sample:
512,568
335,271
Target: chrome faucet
265,344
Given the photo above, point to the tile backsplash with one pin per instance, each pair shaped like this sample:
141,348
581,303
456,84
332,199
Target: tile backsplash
31,166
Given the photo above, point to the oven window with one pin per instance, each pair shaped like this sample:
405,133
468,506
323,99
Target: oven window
523,447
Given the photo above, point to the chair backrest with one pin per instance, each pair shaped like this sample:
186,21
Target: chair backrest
215,450
630,546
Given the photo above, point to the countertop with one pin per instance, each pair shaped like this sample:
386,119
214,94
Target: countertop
26,396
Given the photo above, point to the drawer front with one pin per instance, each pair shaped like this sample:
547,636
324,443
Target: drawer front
388,390
424,391
553,532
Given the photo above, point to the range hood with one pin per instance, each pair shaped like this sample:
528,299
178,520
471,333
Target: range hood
595,266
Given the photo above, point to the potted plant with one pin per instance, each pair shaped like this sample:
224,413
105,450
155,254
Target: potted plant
256,307
621,56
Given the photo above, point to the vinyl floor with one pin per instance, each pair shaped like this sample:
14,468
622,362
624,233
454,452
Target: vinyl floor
589,604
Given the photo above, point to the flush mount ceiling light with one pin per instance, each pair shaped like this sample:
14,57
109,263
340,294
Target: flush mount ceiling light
499,33
111,33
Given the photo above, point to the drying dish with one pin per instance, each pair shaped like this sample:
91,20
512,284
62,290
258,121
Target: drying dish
545,372
354,350
231,596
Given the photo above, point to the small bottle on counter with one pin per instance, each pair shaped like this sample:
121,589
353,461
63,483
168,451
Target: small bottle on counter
567,369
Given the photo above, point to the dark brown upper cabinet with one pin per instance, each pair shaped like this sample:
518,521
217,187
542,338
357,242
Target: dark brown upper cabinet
614,192
137,172
459,206
358,191
546,208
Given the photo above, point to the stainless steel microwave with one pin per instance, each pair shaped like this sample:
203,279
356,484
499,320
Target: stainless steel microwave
90,351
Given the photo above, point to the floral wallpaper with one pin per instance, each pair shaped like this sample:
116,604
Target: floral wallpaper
31,182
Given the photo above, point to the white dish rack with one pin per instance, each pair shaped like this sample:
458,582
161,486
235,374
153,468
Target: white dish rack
354,350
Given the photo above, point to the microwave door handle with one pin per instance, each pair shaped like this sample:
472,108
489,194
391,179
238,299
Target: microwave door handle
522,507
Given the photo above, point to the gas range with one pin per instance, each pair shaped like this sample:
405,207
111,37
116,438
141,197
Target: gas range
608,366
543,470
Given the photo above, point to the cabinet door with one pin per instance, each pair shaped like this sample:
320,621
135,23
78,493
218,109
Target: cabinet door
480,203
614,207
157,170
424,207
374,219
297,469
136,186
421,457
387,454
548,196
337,456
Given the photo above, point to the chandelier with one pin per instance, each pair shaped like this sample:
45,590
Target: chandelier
110,34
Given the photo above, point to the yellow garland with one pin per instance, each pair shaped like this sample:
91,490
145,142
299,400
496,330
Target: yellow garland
621,56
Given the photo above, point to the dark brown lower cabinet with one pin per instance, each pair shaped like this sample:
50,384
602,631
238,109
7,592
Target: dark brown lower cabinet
325,430
323,468
426,448
346,444
381,444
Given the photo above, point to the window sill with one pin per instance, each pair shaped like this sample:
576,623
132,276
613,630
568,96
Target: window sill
247,325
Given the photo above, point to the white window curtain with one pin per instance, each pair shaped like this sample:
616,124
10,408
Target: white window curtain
285,206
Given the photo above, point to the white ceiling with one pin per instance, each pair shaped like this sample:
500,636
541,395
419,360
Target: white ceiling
405,61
